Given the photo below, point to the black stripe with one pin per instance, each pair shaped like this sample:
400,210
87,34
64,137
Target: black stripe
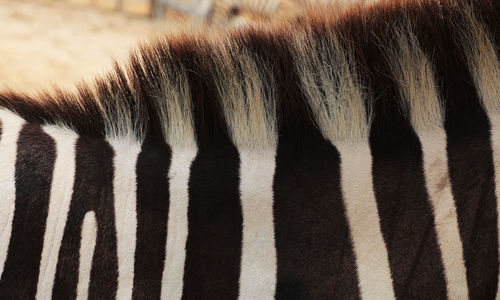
152,214
470,156
35,160
406,216
93,191
472,181
314,249
470,160
213,249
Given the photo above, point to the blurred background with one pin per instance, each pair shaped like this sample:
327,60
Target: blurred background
59,42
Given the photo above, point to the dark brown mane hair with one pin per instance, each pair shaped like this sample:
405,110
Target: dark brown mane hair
130,100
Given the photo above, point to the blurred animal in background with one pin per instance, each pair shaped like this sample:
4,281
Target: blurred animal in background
235,13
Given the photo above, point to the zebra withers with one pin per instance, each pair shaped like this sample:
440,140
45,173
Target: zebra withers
341,155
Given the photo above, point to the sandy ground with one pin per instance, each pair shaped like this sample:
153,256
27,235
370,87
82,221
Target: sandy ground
54,43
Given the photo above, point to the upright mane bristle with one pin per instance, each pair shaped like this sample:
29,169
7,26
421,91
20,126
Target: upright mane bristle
333,70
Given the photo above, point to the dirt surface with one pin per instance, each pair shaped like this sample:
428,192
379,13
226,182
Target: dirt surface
55,43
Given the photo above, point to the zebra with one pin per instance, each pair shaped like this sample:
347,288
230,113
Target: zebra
236,13
343,155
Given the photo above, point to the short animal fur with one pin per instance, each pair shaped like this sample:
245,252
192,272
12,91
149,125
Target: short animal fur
340,154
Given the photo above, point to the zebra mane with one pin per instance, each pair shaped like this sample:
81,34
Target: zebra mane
342,72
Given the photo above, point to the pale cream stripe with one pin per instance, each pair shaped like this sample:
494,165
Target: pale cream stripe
258,257
177,227
11,125
60,199
375,281
87,247
445,214
124,188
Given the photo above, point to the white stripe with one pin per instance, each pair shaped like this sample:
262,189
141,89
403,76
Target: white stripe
60,199
11,125
177,227
124,188
374,273
87,246
445,214
258,257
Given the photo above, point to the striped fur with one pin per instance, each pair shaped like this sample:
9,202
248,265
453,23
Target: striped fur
350,154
